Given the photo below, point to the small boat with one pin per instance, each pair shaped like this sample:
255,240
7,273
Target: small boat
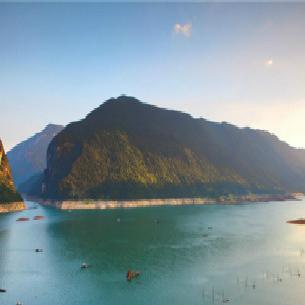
132,274
2,290
84,266
23,219
38,250
300,221
38,217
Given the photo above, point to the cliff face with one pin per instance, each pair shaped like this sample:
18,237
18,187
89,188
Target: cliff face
8,193
128,149
28,158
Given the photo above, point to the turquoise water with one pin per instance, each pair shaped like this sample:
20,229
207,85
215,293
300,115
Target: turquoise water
250,255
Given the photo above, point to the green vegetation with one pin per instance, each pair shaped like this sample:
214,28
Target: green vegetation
128,149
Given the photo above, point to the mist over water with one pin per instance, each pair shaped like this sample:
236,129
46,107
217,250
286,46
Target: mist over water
246,253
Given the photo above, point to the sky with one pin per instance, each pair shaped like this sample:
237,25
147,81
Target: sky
234,62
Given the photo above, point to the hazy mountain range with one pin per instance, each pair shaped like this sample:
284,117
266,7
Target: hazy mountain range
28,158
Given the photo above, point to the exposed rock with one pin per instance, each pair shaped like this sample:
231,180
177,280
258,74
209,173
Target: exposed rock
10,200
91,204
12,207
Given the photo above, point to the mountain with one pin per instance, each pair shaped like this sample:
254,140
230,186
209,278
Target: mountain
28,158
8,192
129,149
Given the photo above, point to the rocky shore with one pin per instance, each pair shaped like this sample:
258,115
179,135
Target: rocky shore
91,204
12,207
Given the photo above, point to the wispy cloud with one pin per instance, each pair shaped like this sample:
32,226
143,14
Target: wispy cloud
269,62
183,29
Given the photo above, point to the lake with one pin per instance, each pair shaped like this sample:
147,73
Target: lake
245,254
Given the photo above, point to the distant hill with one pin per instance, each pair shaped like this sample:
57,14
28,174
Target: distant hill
128,149
28,158
8,192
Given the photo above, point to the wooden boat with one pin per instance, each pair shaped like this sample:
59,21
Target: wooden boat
300,221
38,250
38,217
2,290
23,219
132,274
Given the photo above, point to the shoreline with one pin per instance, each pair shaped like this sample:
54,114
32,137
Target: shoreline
92,204
12,207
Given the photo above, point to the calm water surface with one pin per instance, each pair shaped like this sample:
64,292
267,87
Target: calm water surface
250,255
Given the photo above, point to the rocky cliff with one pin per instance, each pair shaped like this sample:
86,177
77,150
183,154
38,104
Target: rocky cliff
9,198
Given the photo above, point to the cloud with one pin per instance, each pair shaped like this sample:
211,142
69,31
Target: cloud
183,29
269,62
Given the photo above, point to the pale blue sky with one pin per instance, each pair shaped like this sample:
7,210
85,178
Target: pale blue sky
242,63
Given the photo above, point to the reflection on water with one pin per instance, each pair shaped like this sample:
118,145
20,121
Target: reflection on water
242,254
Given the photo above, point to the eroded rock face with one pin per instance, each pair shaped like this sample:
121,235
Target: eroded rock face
5,171
10,199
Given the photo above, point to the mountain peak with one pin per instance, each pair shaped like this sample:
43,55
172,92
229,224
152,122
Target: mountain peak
123,98
52,126
128,149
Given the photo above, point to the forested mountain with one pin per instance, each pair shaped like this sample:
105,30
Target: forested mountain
7,189
129,149
28,158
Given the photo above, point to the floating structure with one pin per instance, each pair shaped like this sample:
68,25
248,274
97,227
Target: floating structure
84,266
23,219
225,300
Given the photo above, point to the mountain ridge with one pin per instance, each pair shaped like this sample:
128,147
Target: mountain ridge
128,149
28,158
